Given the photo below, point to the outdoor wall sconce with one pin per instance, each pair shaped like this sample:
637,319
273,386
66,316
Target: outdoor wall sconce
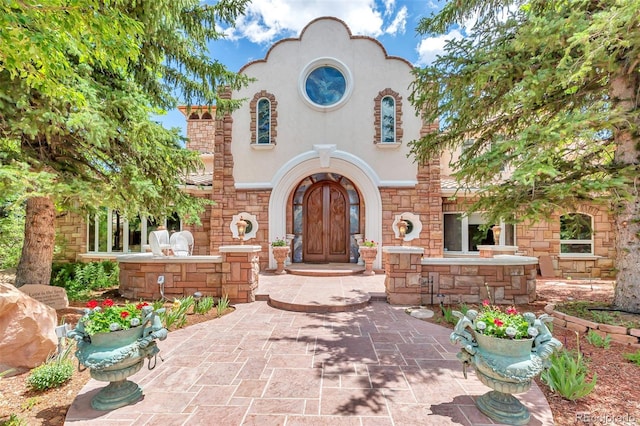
242,227
407,226
402,227
496,229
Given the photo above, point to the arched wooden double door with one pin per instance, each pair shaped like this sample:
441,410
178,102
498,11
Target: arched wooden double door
326,223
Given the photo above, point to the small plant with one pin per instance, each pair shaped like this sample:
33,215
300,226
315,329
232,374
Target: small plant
203,305
223,304
633,357
108,317
176,315
13,420
53,373
29,403
604,317
369,243
279,242
447,314
567,374
598,341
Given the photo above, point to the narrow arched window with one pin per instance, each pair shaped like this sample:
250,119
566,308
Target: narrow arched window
388,119
576,234
263,131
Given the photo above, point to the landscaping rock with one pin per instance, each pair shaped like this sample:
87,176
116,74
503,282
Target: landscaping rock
27,328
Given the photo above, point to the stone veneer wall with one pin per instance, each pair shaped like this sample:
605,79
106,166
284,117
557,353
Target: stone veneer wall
508,284
543,238
411,280
71,236
234,273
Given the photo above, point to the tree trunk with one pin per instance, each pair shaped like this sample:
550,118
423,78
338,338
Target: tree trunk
624,90
39,241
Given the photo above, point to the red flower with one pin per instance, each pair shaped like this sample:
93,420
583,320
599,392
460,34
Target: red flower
485,302
139,306
512,311
124,314
92,304
497,322
108,303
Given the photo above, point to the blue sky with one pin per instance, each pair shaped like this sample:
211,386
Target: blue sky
392,22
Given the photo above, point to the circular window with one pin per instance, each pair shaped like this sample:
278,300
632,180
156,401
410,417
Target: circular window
325,86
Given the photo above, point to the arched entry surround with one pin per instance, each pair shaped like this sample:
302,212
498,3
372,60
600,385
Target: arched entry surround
326,159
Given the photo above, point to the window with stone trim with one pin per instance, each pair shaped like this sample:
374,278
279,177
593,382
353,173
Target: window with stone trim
263,118
576,234
388,117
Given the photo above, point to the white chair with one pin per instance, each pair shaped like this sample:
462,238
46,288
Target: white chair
159,241
179,244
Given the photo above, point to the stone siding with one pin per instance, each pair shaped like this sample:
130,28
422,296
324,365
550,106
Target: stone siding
233,274
71,237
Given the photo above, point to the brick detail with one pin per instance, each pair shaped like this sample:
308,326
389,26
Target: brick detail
71,235
377,115
236,276
201,128
253,110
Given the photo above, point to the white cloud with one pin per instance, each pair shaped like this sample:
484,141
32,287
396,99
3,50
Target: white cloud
399,23
430,47
269,20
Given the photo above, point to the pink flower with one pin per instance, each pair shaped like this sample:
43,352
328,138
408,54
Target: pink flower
108,303
124,314
485,302
512,311
139,306
497,322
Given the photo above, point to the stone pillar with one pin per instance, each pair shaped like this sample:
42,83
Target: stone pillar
403,269
240,272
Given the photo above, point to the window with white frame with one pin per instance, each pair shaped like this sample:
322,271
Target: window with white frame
576,234
463,233
109,232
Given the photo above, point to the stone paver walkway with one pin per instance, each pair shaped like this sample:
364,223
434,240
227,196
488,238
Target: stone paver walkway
264,366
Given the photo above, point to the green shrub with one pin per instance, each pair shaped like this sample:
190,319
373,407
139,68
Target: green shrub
12,231
53,373
633,357
80,279
567,375
598,341
203,305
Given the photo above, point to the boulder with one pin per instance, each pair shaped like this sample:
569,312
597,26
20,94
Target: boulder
27,330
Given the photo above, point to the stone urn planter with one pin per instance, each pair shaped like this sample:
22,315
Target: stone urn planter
368,253
113,356
280,254
505,364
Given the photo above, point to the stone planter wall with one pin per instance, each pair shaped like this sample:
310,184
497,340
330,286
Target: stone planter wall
414,280
233,273
623,335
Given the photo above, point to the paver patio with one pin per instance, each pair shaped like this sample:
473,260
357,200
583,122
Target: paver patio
264,366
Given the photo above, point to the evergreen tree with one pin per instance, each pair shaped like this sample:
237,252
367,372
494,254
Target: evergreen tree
548,92
79,83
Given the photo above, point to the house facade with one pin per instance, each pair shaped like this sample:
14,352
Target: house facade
318,156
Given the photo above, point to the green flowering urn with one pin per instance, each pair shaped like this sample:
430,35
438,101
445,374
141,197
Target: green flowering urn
505,364
113,356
